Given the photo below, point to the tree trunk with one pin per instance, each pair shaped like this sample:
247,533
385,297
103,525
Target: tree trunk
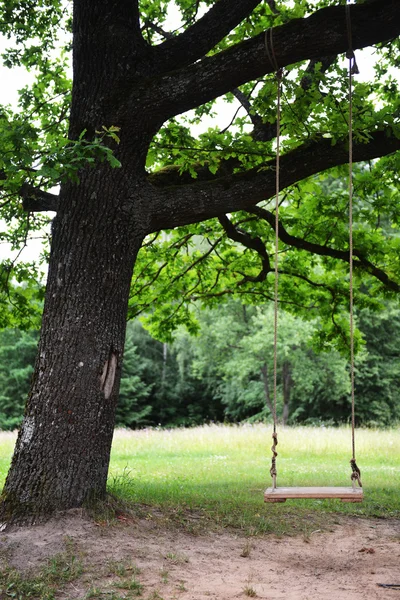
62,452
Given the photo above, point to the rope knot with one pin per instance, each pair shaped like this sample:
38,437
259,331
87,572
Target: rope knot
356,473
353,63
272,470
350,52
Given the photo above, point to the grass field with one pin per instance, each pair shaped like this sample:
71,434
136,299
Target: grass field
222,471
217,474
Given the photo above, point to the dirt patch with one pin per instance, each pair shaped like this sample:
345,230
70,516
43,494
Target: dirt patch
346,562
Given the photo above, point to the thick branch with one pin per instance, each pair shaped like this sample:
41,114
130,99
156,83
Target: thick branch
165,34
322,34
182,205
36,200
200,38
253,243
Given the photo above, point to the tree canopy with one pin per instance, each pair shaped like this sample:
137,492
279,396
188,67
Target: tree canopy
124,145
229,167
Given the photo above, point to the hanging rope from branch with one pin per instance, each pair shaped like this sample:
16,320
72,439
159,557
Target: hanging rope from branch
269,48
353,70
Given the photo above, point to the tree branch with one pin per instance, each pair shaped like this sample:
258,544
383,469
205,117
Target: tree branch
36,200
262,132
302,244
184,204
202,36
165,34
253,243
265,132
309,73
322,34
272,5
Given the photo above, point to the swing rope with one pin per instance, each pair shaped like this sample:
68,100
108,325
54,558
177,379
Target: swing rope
353,70
269,47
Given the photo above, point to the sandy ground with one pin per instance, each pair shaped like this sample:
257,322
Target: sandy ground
346,562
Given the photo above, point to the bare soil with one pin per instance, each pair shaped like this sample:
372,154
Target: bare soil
345,561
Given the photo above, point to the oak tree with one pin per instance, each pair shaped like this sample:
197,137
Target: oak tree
121,145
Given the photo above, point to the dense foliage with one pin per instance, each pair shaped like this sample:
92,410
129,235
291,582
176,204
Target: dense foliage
17,356
222,256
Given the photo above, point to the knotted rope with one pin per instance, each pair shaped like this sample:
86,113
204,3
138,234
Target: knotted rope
272,470
353,70
269,48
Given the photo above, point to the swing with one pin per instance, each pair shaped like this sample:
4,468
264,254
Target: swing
346,494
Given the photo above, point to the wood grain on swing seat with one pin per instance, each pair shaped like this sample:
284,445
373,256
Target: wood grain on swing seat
346,494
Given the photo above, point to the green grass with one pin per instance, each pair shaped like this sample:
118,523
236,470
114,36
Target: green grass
7,442
215,475
44,583
220,472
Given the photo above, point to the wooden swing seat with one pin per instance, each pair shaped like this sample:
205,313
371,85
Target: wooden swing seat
346,494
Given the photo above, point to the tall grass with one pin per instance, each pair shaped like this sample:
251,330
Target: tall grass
223,470
220,472
7,443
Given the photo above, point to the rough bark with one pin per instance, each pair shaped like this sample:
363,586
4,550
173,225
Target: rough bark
194,202
62,453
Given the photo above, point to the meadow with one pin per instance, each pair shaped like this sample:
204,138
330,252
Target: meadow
216,475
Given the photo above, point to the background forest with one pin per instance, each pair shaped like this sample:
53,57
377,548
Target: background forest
224,374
